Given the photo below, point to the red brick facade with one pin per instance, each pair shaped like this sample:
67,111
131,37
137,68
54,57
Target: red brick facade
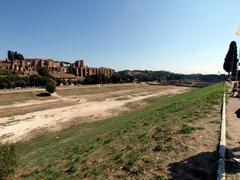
56,68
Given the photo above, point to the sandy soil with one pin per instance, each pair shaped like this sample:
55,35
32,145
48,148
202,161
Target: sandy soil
21,127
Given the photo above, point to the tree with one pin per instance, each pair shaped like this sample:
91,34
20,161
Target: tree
93,79
21,83
64,82
51,86
115,78
230,61
43,71
18,56
102,79
10,55
14,55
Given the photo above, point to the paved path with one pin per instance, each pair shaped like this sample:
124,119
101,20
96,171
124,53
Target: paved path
233,136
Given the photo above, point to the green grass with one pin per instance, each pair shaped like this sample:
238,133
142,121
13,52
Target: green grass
119,147
228,137
185,129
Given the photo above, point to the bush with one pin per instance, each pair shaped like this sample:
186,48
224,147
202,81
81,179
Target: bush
96,79
185,129
69,81
51,86
8,159
59,82
21,83
64,82
12,81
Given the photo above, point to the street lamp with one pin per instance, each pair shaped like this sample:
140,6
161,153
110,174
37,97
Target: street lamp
238,34
238,64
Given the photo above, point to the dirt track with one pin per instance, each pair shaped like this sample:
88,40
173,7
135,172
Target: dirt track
78,108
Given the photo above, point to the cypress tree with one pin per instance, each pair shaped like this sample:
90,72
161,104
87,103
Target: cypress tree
231,60
10,55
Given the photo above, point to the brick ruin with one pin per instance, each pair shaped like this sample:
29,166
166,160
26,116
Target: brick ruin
58,69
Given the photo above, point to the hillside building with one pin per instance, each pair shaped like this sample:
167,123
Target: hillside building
58,69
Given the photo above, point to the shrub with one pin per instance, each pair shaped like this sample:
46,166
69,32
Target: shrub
51,86
185,129
21,83
59,82
38,81
69,81
64,82
8,159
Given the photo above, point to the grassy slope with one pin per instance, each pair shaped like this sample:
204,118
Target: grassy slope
118,147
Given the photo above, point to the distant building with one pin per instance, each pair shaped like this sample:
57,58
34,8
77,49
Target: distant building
58,69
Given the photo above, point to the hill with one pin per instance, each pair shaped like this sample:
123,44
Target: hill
146,75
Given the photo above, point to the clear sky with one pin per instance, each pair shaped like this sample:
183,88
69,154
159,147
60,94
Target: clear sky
186,36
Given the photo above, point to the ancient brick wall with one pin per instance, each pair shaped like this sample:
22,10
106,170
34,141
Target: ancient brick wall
30,66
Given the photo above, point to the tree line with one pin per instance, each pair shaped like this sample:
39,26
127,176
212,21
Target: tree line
10,79
166,76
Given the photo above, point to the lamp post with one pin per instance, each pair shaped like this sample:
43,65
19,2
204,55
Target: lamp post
238,34
236,78
231,77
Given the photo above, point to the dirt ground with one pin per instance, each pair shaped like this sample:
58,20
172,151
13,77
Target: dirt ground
233,137
196,152
22,120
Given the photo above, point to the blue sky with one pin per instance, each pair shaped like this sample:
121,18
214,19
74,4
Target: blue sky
186,36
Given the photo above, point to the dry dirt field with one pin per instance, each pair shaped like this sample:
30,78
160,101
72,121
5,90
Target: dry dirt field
24,113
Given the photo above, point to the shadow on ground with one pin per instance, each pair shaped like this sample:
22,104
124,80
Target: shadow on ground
43,94
202,166
232,167
233,96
